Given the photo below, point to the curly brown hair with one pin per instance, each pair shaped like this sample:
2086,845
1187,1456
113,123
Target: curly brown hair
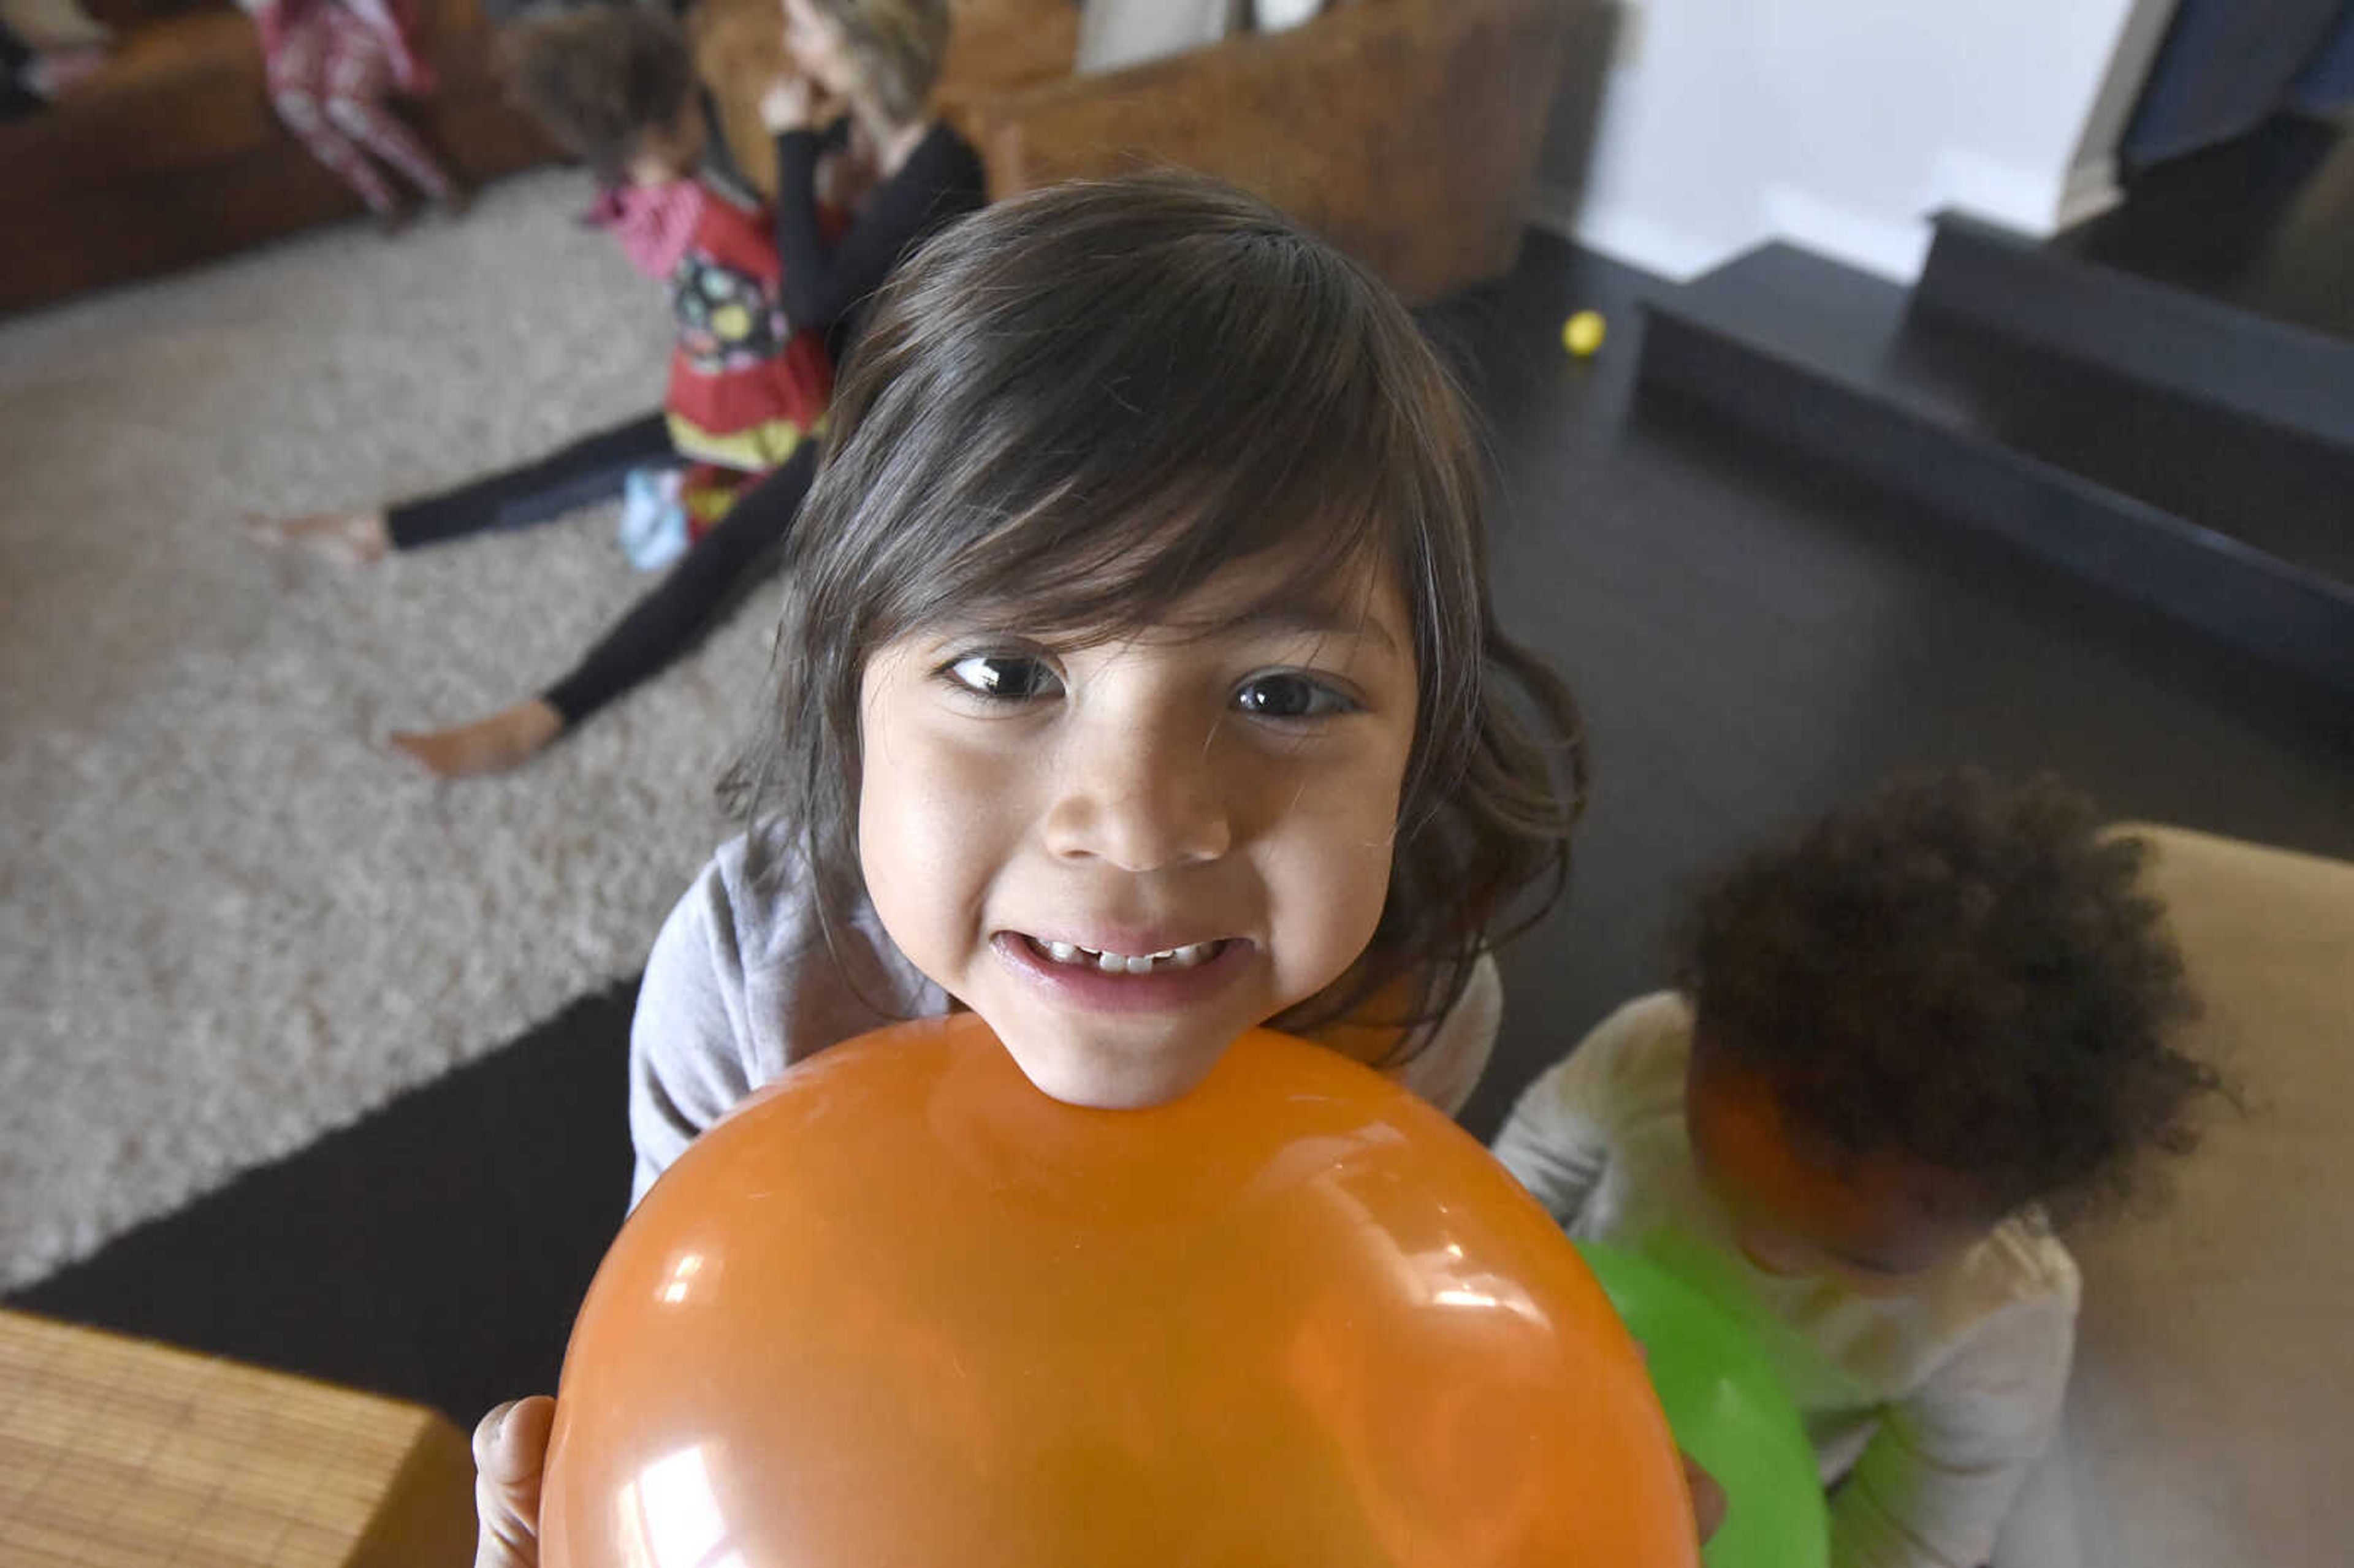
1958,973
599,80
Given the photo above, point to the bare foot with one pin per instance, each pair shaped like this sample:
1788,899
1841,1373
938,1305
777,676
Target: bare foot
352,538
506,739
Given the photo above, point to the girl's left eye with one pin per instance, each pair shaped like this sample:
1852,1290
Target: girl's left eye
1290,696
1002,677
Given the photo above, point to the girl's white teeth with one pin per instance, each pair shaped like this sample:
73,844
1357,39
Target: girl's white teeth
1125,964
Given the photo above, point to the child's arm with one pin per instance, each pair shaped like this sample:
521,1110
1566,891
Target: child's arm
1558,1137
1937,1479
687,1060
741,984
825,281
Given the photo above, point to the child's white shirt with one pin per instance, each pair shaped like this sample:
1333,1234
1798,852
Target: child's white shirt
740,985
1933,1404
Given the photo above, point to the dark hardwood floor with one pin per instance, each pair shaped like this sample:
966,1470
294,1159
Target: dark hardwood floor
1751,643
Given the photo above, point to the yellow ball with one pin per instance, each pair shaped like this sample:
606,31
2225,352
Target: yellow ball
1583,332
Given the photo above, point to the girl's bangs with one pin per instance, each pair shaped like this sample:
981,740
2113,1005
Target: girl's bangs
1155,505
1066,569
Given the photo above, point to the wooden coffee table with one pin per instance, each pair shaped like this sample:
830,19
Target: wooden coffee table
117,1453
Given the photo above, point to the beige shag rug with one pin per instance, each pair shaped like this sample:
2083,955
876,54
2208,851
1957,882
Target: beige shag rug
230,920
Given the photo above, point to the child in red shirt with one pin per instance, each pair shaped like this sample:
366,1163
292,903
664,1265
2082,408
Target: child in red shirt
617,85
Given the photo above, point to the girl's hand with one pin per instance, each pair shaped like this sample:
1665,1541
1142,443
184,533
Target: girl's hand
510,1450
1708,1497
788,105
412,73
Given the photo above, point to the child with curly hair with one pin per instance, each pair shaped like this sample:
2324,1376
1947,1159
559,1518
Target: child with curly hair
1897,1045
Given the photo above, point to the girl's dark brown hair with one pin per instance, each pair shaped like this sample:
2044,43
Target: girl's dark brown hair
1070,409
598,80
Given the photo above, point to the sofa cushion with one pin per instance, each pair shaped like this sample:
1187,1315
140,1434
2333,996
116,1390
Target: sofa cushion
1405,131
2207,1416
127,13
179,92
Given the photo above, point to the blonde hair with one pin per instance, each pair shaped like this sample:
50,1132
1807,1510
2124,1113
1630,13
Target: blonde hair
899,45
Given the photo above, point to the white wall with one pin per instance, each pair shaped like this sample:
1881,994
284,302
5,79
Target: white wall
2095,170
1842,125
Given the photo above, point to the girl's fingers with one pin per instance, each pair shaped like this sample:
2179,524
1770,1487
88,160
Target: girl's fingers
510,1448
1708,1497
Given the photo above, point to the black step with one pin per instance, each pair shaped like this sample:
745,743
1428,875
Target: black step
1828,364
2264,222
2279,491
2199,346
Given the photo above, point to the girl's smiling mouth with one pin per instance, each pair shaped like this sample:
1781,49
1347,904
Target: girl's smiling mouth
1105,979
1106,961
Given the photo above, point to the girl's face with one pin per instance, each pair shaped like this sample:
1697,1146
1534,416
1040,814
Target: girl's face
670,152
1122,856
818,46
1876,1224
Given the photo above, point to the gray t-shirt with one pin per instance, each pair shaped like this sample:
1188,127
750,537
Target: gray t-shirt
739,987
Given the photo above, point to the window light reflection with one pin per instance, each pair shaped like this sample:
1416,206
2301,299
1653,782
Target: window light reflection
670,1516
681,1277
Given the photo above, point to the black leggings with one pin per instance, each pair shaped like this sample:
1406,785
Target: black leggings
591,468
665,623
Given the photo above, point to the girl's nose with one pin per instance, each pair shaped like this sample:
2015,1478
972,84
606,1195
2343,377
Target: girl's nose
1141,796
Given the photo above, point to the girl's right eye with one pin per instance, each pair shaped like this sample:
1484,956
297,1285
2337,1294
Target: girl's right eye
1004,677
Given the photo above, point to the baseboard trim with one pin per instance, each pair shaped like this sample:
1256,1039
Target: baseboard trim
1623,236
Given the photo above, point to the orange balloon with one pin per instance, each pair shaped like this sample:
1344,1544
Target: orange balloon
902,1308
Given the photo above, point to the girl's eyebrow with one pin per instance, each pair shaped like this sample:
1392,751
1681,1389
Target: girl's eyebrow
1316,619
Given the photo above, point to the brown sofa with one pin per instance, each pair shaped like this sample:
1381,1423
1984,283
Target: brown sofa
1405,130
172,154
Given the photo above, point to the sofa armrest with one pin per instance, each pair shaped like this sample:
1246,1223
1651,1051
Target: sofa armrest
2207,1413
1406,132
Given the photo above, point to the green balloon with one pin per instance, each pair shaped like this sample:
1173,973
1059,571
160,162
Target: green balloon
1728,1412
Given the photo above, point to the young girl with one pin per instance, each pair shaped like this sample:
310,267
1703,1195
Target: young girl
617,83
617,87
1138,684
334,66
1896,1043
